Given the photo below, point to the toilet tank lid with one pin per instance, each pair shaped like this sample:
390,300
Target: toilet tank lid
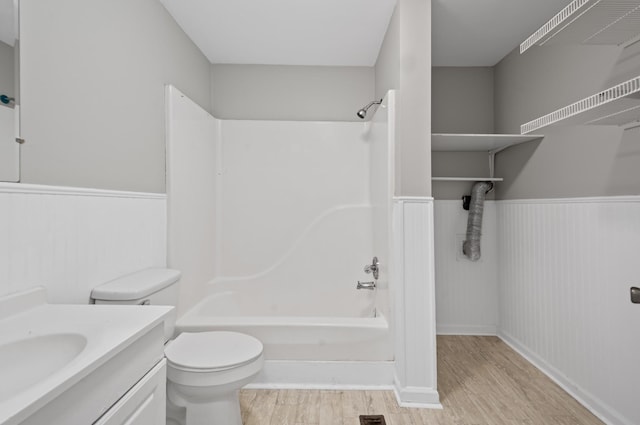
136,285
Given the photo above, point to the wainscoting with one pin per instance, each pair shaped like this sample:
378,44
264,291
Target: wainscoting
69,240
414,316
466,291
554,277
565,268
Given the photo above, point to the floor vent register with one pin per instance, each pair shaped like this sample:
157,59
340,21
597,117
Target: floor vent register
372,420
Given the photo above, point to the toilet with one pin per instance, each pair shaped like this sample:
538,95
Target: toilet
205,370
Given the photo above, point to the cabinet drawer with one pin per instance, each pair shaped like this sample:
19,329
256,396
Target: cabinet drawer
143,404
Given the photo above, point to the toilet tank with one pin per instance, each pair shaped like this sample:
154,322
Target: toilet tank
154,286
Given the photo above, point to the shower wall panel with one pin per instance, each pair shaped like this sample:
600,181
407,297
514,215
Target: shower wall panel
381,138
566,266
295,210
193,138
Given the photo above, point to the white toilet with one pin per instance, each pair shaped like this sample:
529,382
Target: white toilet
205,370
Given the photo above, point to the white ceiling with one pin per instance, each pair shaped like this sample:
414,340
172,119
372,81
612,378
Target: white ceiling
7,18
350,32
342,32
482,32
285,32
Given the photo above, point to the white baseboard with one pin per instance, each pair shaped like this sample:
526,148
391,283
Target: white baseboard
290,374
480,330
420,397
595,406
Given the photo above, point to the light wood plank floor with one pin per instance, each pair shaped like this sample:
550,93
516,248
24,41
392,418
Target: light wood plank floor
480,379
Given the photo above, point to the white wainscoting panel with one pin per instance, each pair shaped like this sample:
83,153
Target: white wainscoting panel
566,267
70,241
466,291
413,291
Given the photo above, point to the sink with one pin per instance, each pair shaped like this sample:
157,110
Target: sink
28,361
53,356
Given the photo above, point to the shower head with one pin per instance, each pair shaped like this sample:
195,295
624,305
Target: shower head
363,112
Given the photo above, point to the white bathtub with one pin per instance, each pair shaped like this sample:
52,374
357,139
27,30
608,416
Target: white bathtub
295,331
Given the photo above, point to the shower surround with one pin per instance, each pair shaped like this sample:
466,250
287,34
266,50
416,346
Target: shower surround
272,223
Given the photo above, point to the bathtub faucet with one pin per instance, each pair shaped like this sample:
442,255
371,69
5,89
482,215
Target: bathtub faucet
366,285
373,268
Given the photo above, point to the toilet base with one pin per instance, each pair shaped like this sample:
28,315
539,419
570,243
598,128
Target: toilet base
176,415
224,409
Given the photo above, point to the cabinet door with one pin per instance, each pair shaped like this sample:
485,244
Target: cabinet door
143,404
9,149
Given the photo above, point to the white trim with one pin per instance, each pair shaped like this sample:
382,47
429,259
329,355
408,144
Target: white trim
585,200
330,387
414,293
425,199
37,189
417,397
345,375
467,179
477,330
591,403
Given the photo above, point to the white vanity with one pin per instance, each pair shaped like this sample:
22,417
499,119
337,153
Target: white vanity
80,364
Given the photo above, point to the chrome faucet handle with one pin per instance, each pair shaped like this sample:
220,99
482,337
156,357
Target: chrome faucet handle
366,285
373,268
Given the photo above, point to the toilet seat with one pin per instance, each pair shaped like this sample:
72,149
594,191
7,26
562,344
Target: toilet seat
215,351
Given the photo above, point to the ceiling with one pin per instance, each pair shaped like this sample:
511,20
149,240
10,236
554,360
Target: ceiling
350,32
482,32
285,32
342,32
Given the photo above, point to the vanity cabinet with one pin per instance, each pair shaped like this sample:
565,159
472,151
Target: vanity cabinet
144,404
128,388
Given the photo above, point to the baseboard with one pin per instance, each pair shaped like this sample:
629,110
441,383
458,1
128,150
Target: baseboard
420,397
479,330
345,375
591,403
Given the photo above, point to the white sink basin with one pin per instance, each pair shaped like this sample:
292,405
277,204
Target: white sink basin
25,362
66,364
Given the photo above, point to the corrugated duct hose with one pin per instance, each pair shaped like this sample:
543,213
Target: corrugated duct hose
471,246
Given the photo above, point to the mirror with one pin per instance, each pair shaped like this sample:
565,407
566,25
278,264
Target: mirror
9,93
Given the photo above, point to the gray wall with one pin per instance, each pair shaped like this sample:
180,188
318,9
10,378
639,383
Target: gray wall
93,76
458,164
571,161
7,67
462,102
404,63
387,68
295,93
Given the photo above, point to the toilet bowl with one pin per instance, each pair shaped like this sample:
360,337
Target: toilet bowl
205,370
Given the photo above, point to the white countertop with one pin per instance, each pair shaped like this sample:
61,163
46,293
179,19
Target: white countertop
108,329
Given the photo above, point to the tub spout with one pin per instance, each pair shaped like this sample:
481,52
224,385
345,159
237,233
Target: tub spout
366,285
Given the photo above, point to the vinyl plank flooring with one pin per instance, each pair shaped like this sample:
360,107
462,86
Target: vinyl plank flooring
480,379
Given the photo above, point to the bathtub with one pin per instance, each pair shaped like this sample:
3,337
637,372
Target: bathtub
294,331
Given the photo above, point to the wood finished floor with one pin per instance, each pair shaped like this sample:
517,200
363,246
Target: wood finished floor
480,379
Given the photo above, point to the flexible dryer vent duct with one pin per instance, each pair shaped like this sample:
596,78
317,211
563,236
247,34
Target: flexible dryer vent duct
471,246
